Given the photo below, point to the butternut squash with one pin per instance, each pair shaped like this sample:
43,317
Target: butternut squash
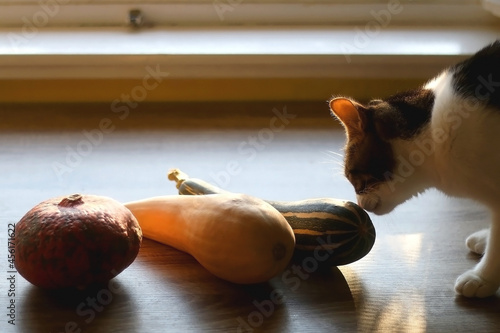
334,232
236,237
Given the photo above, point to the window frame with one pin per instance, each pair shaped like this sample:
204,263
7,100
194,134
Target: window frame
115,13
37,45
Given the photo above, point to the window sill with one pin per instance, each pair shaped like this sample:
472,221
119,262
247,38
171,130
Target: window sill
226,63
236,52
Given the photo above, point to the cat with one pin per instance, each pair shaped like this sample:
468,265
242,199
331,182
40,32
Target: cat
442,135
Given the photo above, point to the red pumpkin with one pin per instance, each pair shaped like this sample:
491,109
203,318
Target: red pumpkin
75,241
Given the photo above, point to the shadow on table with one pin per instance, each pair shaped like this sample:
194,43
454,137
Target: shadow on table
299,298
102,308
489,305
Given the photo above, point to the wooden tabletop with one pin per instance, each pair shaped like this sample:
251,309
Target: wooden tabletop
405,284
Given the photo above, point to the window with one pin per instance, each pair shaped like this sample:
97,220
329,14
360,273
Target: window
259,40
49,13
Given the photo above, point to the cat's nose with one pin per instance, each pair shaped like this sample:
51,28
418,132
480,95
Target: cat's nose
368,202
359,199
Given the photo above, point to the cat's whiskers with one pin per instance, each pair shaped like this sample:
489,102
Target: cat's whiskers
334,157
337,159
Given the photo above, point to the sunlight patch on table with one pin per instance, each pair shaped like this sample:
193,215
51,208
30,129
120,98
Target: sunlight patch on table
408,246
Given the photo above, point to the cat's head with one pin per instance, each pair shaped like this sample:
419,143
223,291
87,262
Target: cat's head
377,134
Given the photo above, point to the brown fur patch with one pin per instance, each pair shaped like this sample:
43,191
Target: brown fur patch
367,160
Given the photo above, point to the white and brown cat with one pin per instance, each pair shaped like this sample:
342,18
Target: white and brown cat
446,135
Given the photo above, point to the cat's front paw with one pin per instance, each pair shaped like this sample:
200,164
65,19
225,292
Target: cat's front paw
477,241
470,284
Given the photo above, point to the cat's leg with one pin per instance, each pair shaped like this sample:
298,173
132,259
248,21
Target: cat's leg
477,241
484,279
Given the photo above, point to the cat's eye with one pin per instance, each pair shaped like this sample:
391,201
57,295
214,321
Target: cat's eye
361,180
361,187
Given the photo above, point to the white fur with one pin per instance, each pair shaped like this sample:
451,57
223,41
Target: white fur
477,241
456,154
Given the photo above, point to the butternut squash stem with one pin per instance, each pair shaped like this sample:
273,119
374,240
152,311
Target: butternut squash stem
178,176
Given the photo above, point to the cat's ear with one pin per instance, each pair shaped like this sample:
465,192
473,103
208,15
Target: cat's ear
350,113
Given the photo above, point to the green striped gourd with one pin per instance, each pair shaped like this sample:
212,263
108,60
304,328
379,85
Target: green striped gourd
331,232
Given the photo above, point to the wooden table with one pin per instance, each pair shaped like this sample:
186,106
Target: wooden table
405,284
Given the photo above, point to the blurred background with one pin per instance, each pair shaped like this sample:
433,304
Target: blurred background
104,97
231,50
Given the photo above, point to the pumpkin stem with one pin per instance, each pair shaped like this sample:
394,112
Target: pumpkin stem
72,200
178,176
